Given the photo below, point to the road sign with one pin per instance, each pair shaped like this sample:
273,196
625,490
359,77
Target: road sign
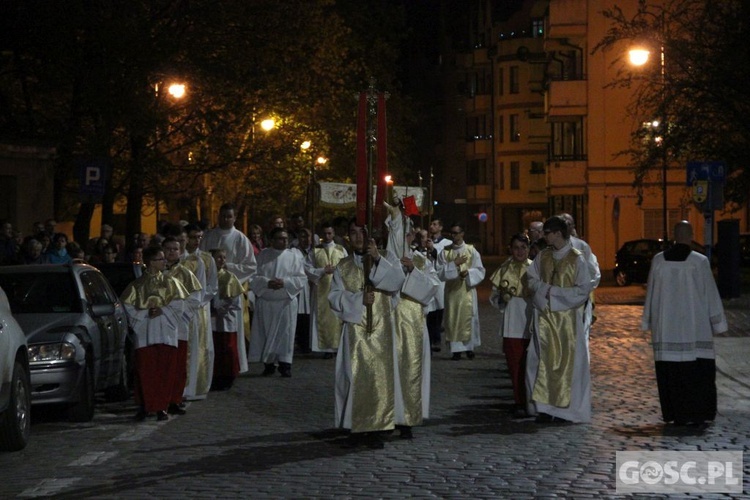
714,171
700,191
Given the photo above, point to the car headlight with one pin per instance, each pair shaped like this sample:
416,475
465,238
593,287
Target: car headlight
62,351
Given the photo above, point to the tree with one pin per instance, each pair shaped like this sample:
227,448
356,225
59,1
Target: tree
90,78
700,94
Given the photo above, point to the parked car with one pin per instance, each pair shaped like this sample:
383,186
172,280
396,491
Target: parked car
75,327
120,275
15,383
633,259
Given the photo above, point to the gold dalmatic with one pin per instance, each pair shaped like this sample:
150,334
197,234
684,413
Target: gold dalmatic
459,299
327,324
410,324
556,331
371,355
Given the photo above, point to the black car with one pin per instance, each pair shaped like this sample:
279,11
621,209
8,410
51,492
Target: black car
633,260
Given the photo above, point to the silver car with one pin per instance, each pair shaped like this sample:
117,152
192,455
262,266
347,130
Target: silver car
15,386
76,329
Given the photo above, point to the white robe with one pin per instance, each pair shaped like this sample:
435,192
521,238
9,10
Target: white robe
275,317
421,285
447,270
161,329
241,262
683,309
438,301
387,276
560,299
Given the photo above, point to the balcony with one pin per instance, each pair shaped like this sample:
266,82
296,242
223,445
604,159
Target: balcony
567,98
567,18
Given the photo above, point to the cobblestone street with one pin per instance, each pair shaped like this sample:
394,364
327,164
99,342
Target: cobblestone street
274,437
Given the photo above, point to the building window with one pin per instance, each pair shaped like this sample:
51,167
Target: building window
515,132
501,175
537,167
501,128
476,171
513,84
537,27
500,81
476,128
568,140
653,223
515,175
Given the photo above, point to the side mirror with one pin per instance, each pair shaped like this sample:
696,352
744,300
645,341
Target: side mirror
99,310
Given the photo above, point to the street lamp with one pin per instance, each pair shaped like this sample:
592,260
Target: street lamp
639,56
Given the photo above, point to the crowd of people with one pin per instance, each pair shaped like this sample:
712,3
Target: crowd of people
212,301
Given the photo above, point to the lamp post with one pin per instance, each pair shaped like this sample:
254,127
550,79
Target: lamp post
639,56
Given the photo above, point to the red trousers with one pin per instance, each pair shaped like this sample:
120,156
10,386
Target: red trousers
226,356
515,357
154,372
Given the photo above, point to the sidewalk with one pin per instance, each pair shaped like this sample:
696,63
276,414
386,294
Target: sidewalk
732,347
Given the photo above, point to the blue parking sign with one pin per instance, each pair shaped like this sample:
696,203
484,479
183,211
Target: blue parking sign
714,171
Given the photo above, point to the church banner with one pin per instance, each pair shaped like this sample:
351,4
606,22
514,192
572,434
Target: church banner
340,195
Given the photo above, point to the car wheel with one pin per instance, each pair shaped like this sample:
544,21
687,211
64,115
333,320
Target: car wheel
622,278
15,422
83,410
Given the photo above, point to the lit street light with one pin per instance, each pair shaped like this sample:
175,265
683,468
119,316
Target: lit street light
639,56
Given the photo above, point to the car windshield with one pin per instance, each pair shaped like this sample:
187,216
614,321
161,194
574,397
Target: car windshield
40,292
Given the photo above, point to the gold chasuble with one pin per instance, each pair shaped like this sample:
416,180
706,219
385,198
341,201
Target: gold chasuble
459,309
410,324
371,355
556,331
327,324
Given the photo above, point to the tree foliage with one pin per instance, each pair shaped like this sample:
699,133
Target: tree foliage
91,79
699,95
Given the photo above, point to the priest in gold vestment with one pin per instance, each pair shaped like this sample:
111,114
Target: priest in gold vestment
460,266
365,372
325,327
557,365
412,337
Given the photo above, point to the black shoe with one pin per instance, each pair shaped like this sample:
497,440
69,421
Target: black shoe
543,418
456,356
161,416
140,416
327,355
519,413
435,348
285,369
470,354
354,441
405,432
174,409
374,441
269,370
